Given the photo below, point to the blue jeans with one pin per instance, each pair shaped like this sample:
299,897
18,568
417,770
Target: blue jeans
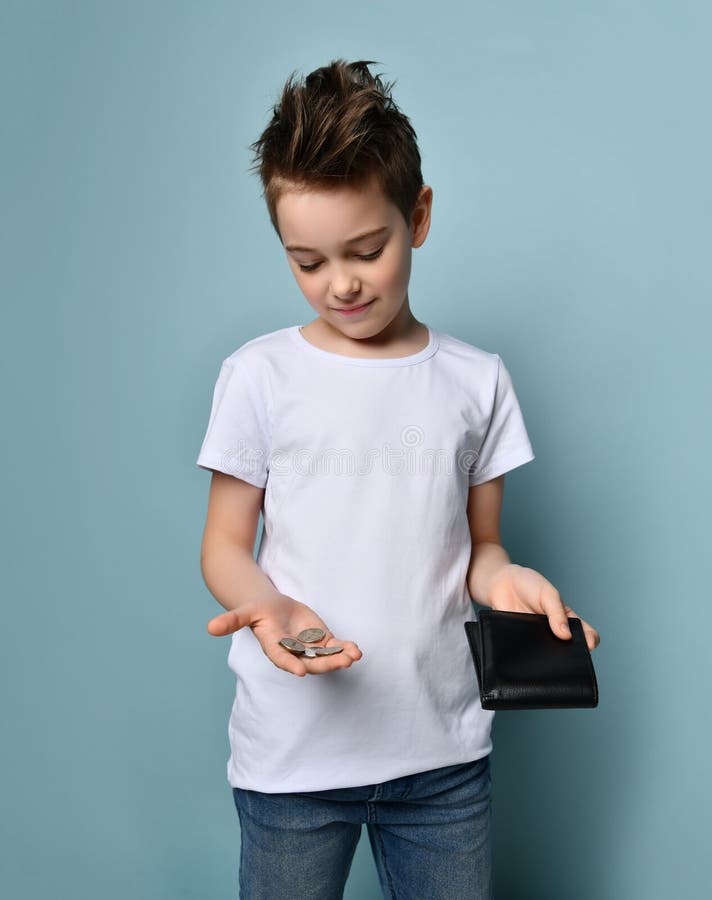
429,833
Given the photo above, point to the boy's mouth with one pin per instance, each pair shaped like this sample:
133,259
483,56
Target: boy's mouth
352,310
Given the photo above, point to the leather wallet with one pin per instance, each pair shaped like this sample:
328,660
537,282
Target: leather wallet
521,664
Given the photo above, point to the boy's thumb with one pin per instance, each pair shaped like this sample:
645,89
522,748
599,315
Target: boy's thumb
230,621
560,626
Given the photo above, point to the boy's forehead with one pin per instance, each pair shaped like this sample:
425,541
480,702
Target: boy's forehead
335,214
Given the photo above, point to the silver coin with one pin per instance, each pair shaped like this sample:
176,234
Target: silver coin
309,635
292,645
310,652
325,651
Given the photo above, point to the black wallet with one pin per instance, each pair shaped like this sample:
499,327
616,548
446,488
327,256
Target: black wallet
521,664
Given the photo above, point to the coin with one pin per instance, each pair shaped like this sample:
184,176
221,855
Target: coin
310,652
292,645
309,635
324,651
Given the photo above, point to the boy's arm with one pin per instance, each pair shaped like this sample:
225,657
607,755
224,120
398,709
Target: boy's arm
229,569
493,580
484,506
249,596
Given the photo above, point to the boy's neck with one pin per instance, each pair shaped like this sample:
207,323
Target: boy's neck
403,336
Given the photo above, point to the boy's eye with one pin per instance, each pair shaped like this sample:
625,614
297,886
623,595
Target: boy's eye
374,255
367,256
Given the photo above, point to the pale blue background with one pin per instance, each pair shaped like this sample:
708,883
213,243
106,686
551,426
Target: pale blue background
568,145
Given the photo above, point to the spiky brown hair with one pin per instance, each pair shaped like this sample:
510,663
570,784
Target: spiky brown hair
339,126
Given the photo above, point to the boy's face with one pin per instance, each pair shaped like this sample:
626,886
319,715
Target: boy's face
350,252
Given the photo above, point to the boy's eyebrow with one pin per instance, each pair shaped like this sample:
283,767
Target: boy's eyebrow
353,240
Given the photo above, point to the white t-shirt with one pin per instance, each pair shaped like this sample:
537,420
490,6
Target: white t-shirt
366,465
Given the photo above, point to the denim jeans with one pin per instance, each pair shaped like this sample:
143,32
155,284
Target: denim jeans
429,833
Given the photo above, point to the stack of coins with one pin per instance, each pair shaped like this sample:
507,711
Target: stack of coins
308,636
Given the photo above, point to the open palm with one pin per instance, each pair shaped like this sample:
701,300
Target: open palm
283,616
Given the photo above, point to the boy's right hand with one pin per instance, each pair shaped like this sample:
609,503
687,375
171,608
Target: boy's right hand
283,616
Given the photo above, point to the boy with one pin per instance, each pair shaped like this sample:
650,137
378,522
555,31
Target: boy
375,447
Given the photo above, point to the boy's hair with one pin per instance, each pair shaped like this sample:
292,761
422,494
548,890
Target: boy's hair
339,127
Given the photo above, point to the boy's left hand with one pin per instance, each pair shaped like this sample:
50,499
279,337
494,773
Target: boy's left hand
516,588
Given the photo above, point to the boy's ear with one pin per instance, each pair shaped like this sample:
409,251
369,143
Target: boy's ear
420,218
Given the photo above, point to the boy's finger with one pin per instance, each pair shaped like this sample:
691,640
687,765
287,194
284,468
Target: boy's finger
320,665
351,650
299,664
348,649
283,659
593,638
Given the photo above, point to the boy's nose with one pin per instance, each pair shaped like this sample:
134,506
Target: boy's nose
345,286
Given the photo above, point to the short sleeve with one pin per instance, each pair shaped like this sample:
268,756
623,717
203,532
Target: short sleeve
506,443
237,440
